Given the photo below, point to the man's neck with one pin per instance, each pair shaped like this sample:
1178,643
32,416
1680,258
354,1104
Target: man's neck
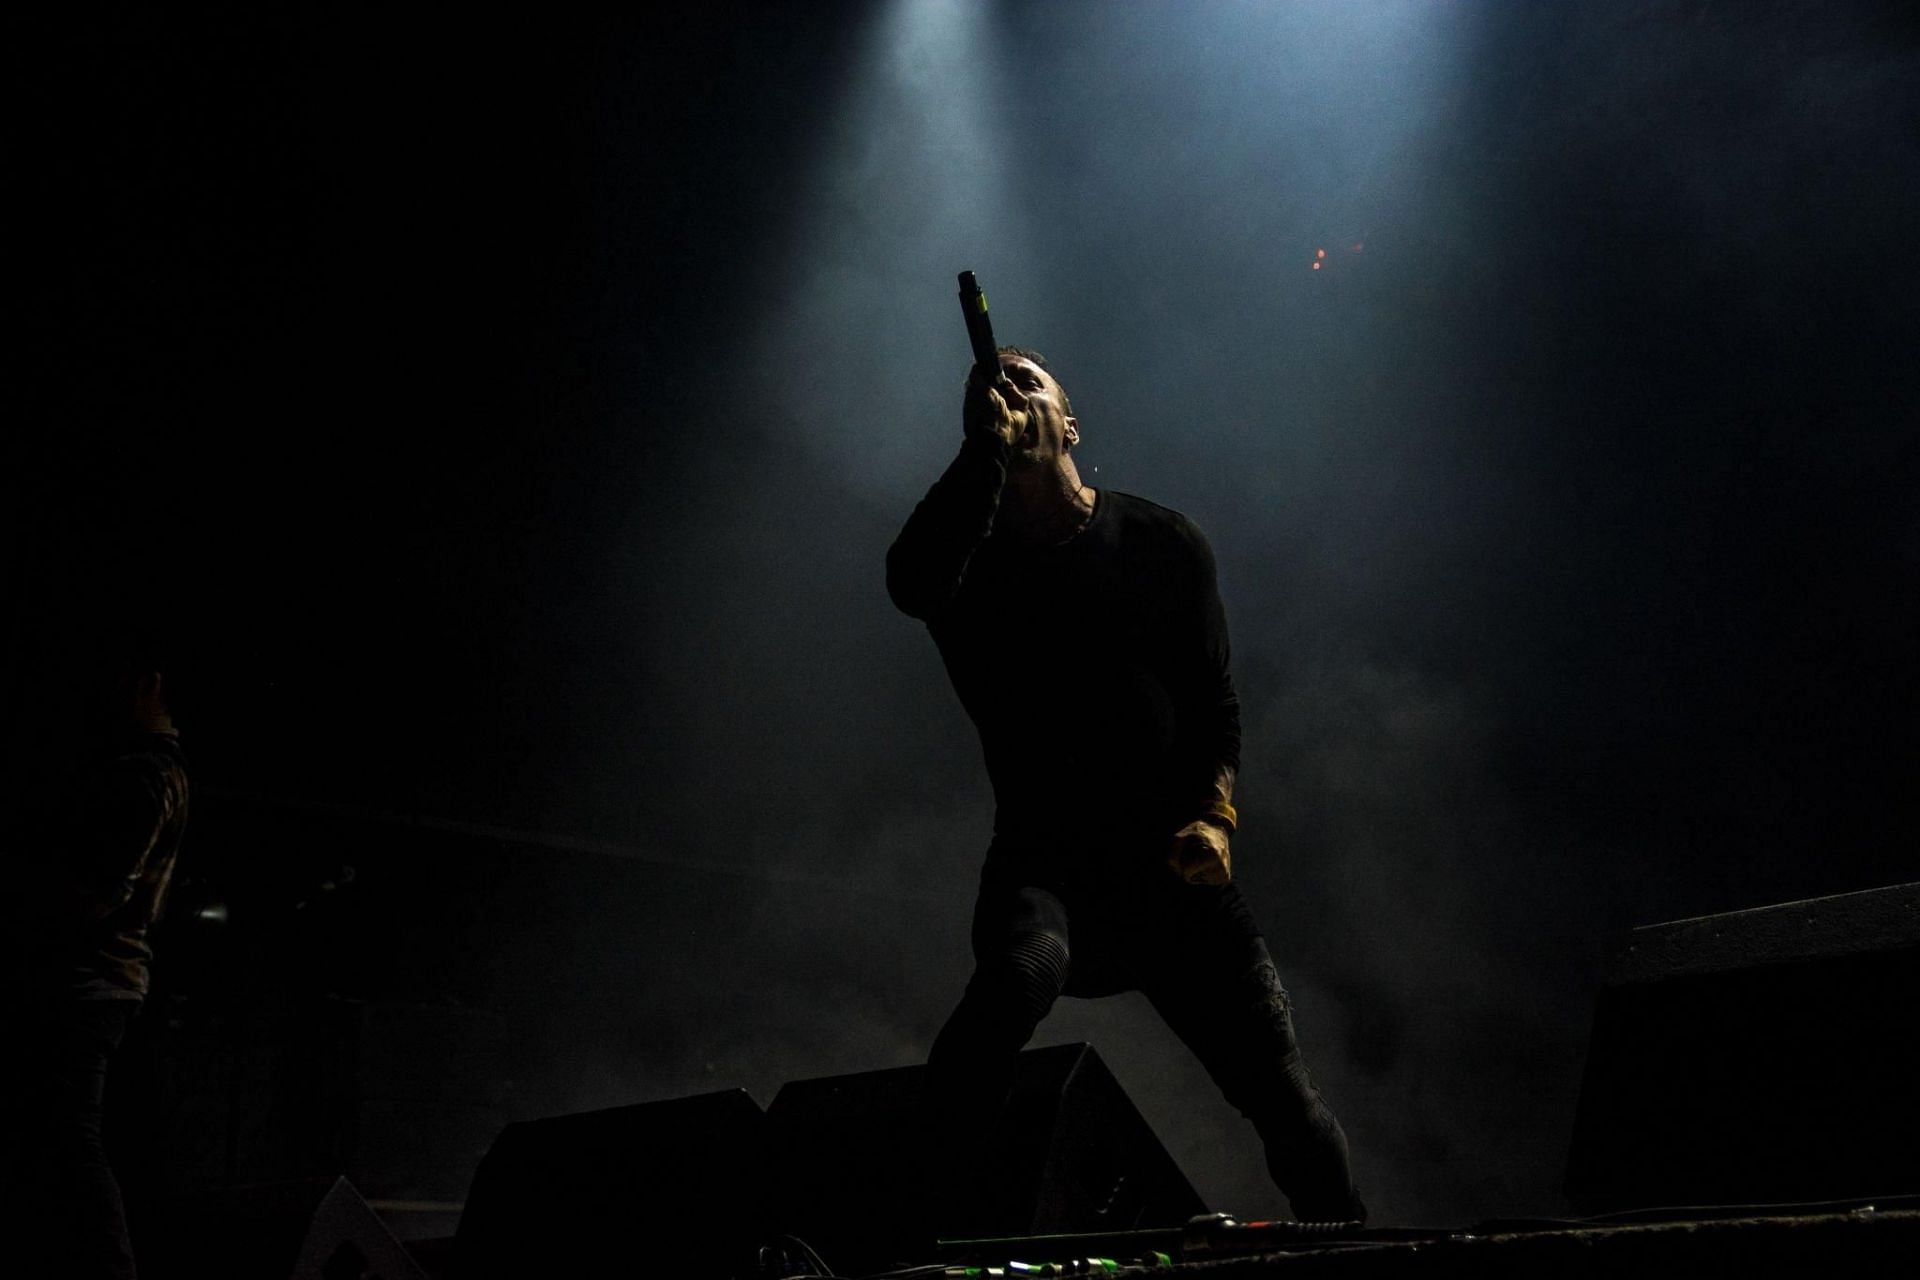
1045,504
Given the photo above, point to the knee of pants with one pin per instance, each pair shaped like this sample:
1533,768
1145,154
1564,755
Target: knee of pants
1259,1066
1269,1010
1023,976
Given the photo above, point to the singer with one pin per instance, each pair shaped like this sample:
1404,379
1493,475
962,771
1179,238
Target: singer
1084,635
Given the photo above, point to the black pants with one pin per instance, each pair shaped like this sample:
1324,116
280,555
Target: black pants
62,1201
1050,922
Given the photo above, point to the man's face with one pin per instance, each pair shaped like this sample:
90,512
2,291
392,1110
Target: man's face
1043,430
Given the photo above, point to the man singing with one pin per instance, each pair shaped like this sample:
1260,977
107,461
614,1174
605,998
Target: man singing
1084,634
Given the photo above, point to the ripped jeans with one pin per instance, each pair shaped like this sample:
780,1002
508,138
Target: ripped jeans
1049,923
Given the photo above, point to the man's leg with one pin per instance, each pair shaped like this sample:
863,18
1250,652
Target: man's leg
61,1186
1020,967
1215,984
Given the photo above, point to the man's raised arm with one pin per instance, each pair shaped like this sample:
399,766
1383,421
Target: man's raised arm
928,561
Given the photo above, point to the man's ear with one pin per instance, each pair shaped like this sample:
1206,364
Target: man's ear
1073,432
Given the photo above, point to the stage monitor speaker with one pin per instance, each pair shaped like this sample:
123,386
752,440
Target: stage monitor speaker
662,1188
1761,1057
851,1175
311,1229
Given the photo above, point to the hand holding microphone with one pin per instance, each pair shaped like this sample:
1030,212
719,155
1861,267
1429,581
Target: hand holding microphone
986,413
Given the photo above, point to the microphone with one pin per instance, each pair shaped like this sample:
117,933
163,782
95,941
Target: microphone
973,305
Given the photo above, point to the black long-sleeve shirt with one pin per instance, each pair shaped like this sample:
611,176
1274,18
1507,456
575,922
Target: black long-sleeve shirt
1096,671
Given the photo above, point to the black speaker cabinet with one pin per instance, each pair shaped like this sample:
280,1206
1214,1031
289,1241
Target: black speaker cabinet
663,1188
312,1229
851,1175
1761,1057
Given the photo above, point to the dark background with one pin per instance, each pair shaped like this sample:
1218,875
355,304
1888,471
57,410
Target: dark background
512,415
